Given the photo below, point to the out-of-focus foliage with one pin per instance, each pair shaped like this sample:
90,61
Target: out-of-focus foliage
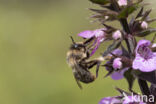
34,39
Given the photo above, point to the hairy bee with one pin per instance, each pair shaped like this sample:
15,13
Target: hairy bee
77,58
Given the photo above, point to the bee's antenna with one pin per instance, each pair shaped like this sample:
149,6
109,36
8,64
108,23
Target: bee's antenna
72,39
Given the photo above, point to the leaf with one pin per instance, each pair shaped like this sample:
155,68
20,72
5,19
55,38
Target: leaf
106,12
109,69
153,89
132,44
131,23
115,5
151,20
127,11
101,2
102,14
140,13
130,78
145,32
110,29
124,51
122,91
144,87
148,76
109,7
112,47
146,14
139,1
98,10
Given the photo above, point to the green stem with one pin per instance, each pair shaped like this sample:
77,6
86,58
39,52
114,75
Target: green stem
125,27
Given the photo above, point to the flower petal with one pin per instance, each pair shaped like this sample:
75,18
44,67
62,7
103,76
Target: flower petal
97,43
122,2
144,25
117,52
117,35
144,65
86,34
117,64
141,42
133,100
110,100
119,74
100,34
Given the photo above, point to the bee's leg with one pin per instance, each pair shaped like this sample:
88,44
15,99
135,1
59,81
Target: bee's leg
85,58
92,63
89,64
97,68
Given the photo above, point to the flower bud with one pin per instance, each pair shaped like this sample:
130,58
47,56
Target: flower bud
144,25
153,48
117,35
106,17
117,64
122,2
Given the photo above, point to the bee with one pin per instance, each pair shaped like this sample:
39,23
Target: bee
78,59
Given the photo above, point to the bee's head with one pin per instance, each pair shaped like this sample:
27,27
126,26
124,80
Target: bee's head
77,46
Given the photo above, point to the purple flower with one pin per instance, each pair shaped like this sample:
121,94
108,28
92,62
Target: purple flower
117,35
122,2
117,75
117,64
99,34
133,100
144,25
117,52
154,45
110,100
125,99
145,59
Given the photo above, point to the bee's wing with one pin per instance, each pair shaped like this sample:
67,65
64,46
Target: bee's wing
78,83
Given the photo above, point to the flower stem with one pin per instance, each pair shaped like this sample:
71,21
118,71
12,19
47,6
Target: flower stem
125,27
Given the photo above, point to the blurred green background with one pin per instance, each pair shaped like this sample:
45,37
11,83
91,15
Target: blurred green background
34,39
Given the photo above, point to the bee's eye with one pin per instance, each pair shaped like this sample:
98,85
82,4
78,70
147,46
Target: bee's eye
75,45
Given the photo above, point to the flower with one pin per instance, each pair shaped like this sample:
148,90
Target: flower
110,100
124,99
144,25
133,100
99,34
122,2
117,75
145,59
117,35
154,45
117,64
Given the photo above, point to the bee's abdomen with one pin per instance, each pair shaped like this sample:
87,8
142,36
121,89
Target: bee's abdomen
84,76
80,73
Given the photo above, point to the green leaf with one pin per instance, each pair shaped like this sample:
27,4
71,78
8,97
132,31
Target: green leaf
101,2
122,91
145,32
130,78
151,20
140,13
127,11
146,14
148,76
